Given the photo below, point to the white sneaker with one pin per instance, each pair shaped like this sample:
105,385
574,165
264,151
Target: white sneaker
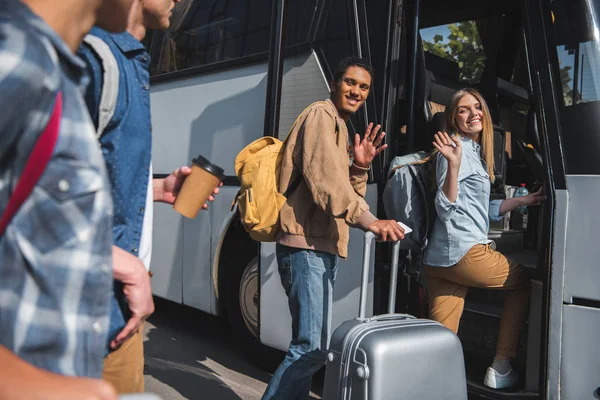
495,380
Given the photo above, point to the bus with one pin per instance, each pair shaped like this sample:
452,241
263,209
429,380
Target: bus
228,72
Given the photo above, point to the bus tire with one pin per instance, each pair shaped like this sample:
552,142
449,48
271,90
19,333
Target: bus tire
243,310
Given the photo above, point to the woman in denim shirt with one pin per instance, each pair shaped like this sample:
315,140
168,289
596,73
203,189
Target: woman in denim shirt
459,254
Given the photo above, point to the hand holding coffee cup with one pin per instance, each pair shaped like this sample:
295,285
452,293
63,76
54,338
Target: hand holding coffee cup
198,187
167,189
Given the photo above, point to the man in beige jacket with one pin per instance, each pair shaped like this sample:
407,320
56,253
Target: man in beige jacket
316,217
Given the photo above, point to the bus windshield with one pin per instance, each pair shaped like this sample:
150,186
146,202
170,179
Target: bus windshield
577,30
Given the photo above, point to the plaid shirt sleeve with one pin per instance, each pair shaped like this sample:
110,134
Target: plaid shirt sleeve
55,256
25,103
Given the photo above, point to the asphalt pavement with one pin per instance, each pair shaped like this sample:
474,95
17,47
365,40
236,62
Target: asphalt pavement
192,355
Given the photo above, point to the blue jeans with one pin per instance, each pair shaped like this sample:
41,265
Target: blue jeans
308,278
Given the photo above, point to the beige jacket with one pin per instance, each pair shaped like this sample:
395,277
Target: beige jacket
317,213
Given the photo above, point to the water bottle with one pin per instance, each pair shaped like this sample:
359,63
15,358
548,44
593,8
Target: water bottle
521,191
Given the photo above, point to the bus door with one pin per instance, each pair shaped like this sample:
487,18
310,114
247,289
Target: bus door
487,45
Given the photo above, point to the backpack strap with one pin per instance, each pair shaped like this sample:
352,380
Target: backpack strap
430,157
421,183
35,165
293,186
110,82
306,110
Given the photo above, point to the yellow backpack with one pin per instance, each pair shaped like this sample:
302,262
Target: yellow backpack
260,198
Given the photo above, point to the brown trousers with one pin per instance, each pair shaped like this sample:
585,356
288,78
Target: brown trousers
481,267
124,367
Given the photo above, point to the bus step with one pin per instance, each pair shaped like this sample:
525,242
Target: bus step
527,258
483,309
507,241
481,391
491,308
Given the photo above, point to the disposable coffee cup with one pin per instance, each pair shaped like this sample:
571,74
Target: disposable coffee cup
198,186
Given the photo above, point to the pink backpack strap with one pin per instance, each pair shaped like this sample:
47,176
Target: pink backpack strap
35,165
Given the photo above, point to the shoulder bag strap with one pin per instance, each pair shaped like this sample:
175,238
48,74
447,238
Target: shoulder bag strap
35,165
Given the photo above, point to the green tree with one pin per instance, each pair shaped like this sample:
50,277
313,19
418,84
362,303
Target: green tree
566,79
462,46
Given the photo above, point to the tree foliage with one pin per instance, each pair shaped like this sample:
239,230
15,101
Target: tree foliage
463,46
566,79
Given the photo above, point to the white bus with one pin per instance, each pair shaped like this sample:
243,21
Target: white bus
215,78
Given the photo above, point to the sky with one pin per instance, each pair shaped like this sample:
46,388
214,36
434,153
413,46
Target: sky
427,34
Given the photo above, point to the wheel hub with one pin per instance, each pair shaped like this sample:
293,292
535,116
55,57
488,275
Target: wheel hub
249,300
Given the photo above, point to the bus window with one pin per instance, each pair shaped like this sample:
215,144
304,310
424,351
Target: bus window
578,49
205,32
333,44
299,17
454,51
334,38
210,31
577,37
454,58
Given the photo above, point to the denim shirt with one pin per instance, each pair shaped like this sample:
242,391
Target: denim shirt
55,255
464,223
126,145
127,140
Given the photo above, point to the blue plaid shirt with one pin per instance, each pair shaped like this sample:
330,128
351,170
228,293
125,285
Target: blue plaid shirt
55,256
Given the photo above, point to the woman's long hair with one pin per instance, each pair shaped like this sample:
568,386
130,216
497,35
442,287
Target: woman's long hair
487,133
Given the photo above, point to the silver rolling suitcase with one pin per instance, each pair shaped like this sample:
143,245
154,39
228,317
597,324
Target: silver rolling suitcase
393,356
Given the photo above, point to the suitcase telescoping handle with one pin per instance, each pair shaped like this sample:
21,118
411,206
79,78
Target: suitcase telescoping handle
364,284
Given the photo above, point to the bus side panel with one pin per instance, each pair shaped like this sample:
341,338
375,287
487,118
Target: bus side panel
197,284
582,275
167,253
275,320
580,378
580,353
303,83
214,115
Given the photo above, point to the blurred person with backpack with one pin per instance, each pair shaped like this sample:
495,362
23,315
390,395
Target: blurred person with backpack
324,194
55,245
459,253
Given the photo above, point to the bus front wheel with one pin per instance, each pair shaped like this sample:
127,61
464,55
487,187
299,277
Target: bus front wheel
243,305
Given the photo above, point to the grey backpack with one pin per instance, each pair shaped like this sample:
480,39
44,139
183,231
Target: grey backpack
110,82
409,196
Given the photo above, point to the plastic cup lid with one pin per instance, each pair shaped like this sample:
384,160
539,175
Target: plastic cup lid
208,166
